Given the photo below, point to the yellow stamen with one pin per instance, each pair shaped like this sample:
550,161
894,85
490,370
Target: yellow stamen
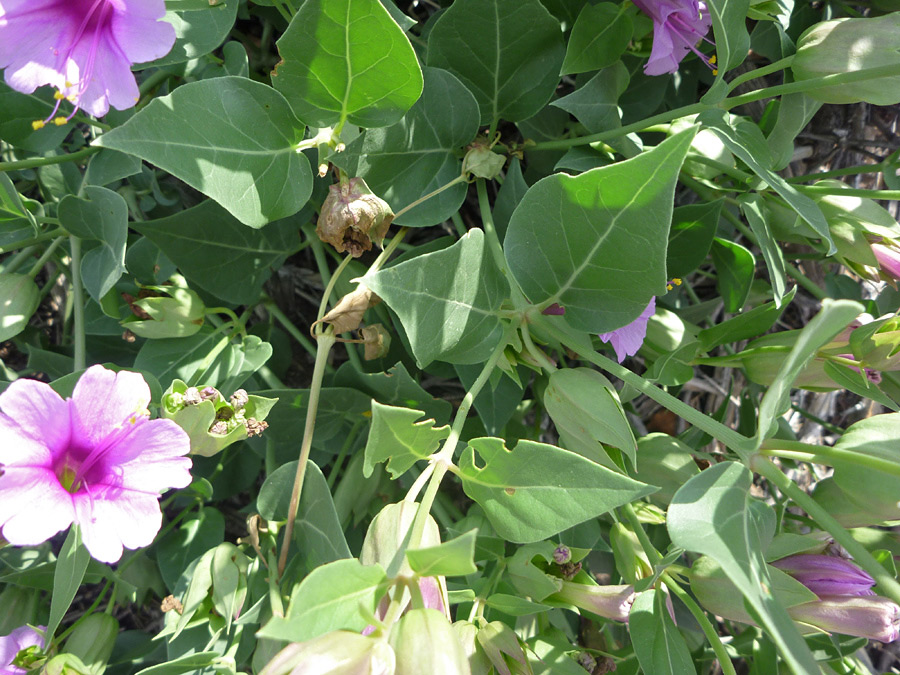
60,121
669,287
715,71
58,95
676,281
37,124
712,59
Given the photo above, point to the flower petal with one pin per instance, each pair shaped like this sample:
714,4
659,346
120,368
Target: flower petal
103,400
139,33
153,457
34,505
116,519
627,340
19,639
38,411
19,449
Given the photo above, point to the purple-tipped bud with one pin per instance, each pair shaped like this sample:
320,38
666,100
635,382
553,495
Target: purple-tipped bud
611,602
827,575
888,259
192,396
562,555
872,617
554,310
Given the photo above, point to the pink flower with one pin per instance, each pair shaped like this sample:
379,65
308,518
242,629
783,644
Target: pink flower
10,645
888,258
95,460
628,339
678,25
83,48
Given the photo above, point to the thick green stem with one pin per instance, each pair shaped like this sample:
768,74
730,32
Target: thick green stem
325,342
887,585
36,162
821,454
77,299
712,636
31,241
326,296
717,430
760,72
282,318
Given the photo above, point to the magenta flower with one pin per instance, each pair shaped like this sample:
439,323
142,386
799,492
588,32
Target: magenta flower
95,460
83,48
888,258
827,575
10,645
678,25
628,339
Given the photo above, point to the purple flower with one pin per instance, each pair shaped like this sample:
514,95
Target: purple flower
628,339
83,48
678,25
611,602
95,460
827,575
872,617
10,645
888,258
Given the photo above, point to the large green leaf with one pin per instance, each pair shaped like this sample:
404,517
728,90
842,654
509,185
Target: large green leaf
347,60
398,437
218,254
419,154
659,646
599,37
230,138
507,52
729,19
596,103
448,301
536,490
102,216
745,140
596,243
711,515
340,595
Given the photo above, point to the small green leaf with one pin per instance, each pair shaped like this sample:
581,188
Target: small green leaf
659,647
729,19
460,287
347,61
19,300
514,605
599,37
752,206
596,243
596,104
195,535
507,52
189,663
693,229
454,558
537,490
736,267
200,133
508,197
70,568
339,595
746,325
398,438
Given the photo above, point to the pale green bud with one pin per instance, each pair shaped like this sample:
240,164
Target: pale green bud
424,642
92,641
337,653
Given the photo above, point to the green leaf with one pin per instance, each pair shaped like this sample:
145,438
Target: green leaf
586,410
507,52
794,113
746,141
347,61
514,605
599,37
317,530
397,437
194,536
230,138
729,22
215,252
735,267
19,300
752,206
878,437
103,216
497,402
70,568
447,301
710,514
419,154
508,197
108,166
693,229
745,325
595,243
340,595
454,558
19,111
537,490
596,104
189,663
853,380
200,27
12,210
659,646
833,317
666,462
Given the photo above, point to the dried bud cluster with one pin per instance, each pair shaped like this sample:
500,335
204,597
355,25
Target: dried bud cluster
353,217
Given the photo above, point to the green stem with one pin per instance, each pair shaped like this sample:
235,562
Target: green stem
837,173
325,341
861,556
717,430
490,233
77,304
433,193
153,80
231,315
46,256
848,192
631,516
821,454
329,288
36,162
712,636
31,241
292,330
760,72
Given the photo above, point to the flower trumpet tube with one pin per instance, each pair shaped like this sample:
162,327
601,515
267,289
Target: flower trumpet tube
610,602
872,617
827,575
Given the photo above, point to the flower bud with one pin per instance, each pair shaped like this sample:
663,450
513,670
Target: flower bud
21,649
353,217
888,257
482,162
387,534
611,602
336,653
424,642
827,575
562,554
872,617
239,399
92,641
377,341
179,313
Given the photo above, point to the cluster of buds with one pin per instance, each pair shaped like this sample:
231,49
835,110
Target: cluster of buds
169,311
840,599
212,421
353,217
